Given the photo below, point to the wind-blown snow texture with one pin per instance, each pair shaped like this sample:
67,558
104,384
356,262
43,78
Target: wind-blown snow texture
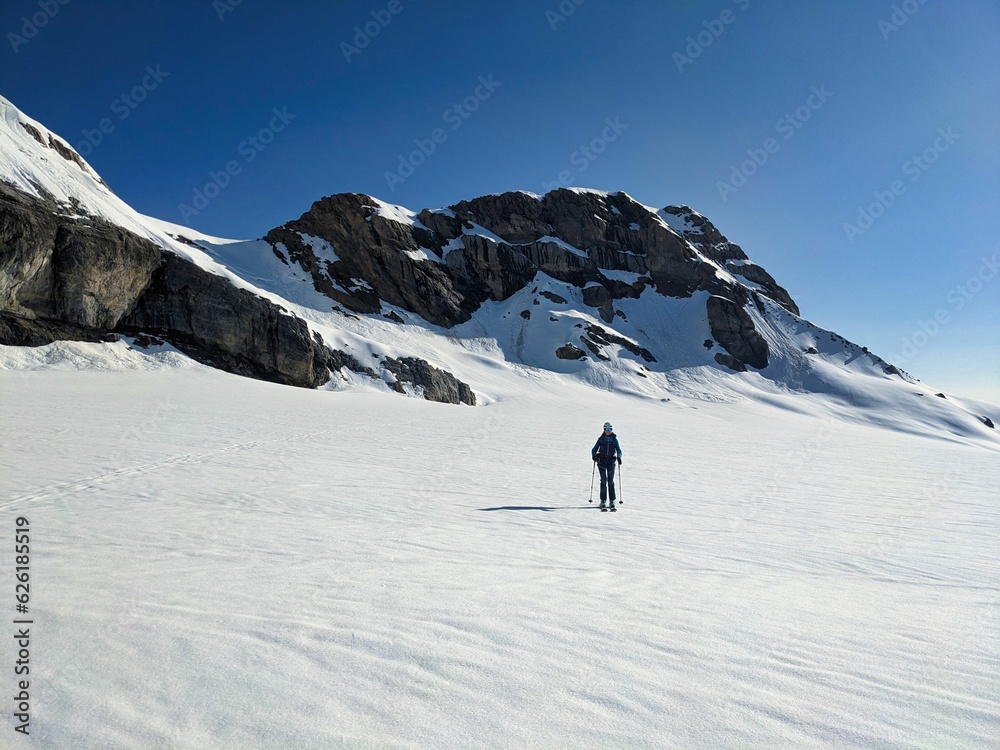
222,562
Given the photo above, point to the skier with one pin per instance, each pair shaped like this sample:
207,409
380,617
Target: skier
606,453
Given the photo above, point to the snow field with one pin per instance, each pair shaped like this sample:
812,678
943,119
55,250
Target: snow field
221,562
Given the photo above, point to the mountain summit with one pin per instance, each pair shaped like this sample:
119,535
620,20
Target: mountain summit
576,283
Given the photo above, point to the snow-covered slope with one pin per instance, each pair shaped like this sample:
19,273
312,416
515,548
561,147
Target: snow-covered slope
39,163
221,562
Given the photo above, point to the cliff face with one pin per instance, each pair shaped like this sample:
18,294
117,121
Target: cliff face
87,279
442,265
84,278
84,274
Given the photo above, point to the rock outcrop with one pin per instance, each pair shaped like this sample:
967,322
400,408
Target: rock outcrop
210,319
86,279
436,384
71,276
734,329
569,351
376,259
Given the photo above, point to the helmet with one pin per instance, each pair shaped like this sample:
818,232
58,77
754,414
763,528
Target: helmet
607,425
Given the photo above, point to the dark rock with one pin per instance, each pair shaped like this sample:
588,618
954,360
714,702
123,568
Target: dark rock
559,263
708,343
703,234
988,422
437,385
66,152
526,314
733,328
485,270
516,216
17,331
212,321
98,273
34,132
730,361
605,338
595,349
940,395
336,360
143,341
553,297
812,350
570,351
376,249
86,274
394,317
754,273
597,295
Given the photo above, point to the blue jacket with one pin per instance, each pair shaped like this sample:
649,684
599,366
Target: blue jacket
607,447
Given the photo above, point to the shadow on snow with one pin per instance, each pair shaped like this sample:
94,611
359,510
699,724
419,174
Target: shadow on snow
545,508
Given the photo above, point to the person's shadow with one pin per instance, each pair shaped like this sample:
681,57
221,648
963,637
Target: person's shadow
545,508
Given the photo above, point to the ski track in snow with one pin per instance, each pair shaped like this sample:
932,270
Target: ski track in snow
220,562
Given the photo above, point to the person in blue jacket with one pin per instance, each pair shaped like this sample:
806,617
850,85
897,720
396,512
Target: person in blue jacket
607,453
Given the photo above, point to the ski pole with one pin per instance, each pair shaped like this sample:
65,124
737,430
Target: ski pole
592,472
621,486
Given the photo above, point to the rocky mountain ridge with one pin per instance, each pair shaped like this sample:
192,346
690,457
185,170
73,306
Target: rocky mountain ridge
443,265
577,282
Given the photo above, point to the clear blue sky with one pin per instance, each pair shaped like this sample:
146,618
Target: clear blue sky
696,90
